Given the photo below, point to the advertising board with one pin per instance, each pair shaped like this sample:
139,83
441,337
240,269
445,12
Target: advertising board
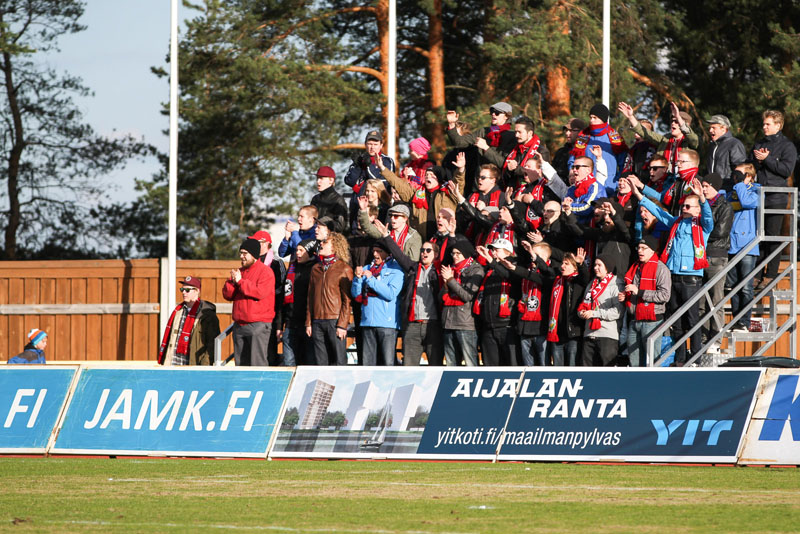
182,412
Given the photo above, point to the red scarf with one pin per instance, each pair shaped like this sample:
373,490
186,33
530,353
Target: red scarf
400,238
645,311
492,199
700,261
623,199
505,288
419,166
327,261
420,198
442,251
288,288
185,334
583,187
494,133
411,316
596,289
686,177
496,233
618,145
555,305
529,304
628,167
671,152
527,150
366,292
447,300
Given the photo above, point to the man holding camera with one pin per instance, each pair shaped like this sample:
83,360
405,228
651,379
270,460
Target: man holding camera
365,167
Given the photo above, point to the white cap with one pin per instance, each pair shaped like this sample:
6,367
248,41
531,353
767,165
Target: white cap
505,244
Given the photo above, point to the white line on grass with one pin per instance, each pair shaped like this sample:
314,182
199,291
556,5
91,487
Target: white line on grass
249,527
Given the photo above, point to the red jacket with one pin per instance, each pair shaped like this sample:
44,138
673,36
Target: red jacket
254,296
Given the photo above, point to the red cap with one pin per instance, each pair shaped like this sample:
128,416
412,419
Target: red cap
191,281
326,172
262,235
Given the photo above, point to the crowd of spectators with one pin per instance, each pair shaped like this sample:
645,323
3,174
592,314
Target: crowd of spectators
503,255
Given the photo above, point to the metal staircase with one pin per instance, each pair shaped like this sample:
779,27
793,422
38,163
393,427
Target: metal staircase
785,299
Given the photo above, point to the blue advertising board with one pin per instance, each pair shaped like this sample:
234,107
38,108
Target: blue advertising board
634,415
31,401
182,412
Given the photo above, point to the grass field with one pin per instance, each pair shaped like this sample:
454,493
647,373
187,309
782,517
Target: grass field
156,495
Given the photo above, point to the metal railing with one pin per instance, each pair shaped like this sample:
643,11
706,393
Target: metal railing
790,272
218,362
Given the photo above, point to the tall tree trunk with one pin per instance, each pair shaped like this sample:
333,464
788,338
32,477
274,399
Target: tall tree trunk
556,98
382,16
436,78
15,155
487,84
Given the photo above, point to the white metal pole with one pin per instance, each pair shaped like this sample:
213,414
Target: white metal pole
173,156
391,100
606,52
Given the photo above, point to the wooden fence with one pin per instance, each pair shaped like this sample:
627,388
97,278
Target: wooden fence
109,309
96,310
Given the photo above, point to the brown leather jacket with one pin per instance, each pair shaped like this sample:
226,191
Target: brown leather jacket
329,293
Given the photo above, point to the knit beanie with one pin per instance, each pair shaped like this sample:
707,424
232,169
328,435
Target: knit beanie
311,246
600,111
420,145
252,246
650,241
36,336
608,261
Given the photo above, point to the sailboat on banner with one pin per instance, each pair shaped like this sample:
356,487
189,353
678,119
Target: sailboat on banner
379,436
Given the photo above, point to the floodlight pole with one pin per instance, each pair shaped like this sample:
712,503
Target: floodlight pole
173,156
391,98
606,52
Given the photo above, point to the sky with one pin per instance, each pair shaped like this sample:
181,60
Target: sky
113,56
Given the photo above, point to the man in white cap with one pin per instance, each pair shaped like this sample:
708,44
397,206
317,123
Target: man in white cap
189,336
495,304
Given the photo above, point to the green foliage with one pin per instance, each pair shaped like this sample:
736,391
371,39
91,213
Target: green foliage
333,419
51,159
255,112
737,58
291,418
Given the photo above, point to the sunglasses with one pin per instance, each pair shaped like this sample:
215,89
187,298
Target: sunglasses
484,177
689,206
656,167
187,289
495,112
580,166
396,215
427,249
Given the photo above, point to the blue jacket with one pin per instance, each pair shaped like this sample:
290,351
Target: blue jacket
288,248
681,257
29,355
383,309
744,201
582,206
